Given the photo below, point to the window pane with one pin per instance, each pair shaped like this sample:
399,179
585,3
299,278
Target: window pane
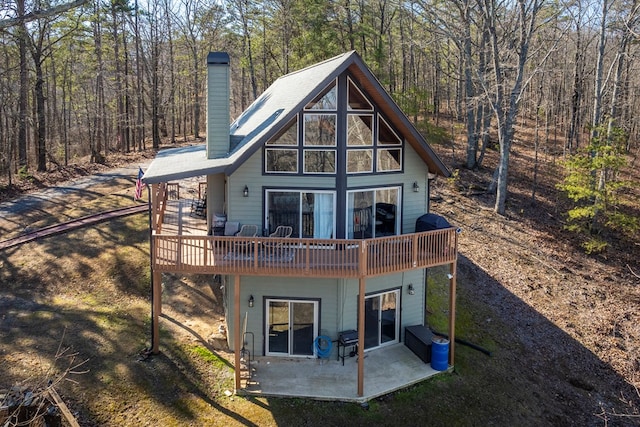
278,318
278,160
320,129
284,209
318,215
303,327
373,213
360,218
359,161
319,161
386,212
326,100
359,130
389,159
386,135
289,136
357,101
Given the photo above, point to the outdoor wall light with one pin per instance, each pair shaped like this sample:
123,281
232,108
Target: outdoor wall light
251,300
449,276
416,187
411,290
245,192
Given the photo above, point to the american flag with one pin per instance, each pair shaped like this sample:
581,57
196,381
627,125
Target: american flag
139,185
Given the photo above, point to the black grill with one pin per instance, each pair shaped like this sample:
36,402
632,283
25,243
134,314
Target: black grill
348,338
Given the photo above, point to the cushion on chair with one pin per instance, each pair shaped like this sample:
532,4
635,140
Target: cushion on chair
231,228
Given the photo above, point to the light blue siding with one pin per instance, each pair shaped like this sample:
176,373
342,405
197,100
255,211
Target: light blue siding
250,210
218,116
414,204
412,306
324,290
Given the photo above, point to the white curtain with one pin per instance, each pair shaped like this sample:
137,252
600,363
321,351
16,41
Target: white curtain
323,216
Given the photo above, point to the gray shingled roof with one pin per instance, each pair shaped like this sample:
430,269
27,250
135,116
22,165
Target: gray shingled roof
273,110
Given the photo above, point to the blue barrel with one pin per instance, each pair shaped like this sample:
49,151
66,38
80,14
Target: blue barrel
439,353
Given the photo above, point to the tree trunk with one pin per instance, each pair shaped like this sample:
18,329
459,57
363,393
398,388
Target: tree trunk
24,87
96,154
41,131
597,96
506,106
470,95
120,113
140,131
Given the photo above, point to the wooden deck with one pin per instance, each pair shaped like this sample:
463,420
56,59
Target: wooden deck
184,246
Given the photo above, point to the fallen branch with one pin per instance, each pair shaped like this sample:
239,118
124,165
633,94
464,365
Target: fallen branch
633,272
63,407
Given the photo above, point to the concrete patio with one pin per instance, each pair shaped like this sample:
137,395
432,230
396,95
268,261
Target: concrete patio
386,370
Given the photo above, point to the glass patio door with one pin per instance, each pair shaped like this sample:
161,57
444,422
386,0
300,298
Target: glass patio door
292,326
310,214
381,322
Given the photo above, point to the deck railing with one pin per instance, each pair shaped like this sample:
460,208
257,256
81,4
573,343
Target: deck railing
260,256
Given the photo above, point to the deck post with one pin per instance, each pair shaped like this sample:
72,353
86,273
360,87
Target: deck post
362,288
154,206
236,330
156,311
452,312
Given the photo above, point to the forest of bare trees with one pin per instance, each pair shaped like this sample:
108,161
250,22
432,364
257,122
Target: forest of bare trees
90,77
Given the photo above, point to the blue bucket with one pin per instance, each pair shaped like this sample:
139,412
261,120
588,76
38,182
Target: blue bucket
440,353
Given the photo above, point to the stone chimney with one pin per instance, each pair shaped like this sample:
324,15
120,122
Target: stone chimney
218,116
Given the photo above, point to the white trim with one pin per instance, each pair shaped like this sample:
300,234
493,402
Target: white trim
382,144
374,190
299,191
366,98
304,129
316,318
304,162
378,159
380,320
266,160
363,171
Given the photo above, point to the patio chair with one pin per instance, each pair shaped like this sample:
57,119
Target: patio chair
281,232
247,230
199,207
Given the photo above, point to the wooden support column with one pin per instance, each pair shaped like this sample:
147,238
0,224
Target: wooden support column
452,312
237,336
362,288
154,206
361,292
156,311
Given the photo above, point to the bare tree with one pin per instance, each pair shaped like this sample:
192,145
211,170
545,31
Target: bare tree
510,42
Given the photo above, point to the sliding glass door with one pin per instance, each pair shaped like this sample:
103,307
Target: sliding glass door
310,214
373,213
292,325
381,322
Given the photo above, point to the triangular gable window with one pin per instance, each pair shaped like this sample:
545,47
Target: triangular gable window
288,136
357,100
386,135
326,100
